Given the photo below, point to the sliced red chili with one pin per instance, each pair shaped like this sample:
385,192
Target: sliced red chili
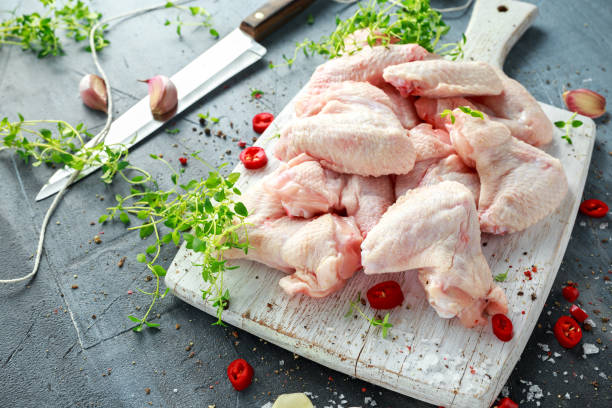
502,327
594,208
578,313
385,295
507,403
261,121
570,293
253,157
183,160
567,331
240,374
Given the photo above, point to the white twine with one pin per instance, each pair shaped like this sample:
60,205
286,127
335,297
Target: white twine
98,138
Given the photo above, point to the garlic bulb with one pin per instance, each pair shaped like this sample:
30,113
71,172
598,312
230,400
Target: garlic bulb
93,92
163,98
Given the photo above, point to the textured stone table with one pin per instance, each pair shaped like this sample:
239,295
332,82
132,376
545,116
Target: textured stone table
54,352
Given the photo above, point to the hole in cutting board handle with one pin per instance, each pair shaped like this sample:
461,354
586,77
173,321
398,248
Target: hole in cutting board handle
502,9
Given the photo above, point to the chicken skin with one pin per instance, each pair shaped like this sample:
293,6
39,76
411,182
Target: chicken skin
362,93
434,171
516,108
350,138
305,189
435,229
519,184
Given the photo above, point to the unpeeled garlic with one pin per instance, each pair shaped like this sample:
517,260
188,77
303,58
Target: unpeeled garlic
93,92
585,102
163,98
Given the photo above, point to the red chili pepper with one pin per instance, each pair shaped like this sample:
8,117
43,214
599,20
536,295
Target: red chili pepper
578,313
567,332
240,374
242,144
253,157
183,160
594,208
570,293
385,295
502,327
507,403
261,121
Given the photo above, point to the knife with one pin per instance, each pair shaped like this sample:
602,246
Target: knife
226,58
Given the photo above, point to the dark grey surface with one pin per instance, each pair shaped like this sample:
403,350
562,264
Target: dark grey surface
42,362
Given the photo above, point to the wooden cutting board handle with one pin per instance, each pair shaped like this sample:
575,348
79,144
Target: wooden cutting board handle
495,27
270,16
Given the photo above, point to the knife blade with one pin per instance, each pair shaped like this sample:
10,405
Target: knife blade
235,52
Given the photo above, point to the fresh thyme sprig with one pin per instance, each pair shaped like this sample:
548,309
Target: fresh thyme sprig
465,109
194,11
39,32
207,116
501,277
568,125
374,322
388,21
205,213
453,50
30,141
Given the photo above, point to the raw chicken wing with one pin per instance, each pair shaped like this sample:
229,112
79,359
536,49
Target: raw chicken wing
430,143
438,78
367,95
430,172
435,229
350,139
520,112
520,184
304,188
366,65
367,199
321,253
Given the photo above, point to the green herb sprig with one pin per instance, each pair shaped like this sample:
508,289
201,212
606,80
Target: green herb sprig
501,277
568,125
40,32
63,147
208,116
205,213
465,109
453,50
256,93
194,11
374,322
388,21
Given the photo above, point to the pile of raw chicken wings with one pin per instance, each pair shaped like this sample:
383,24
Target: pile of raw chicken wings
373,176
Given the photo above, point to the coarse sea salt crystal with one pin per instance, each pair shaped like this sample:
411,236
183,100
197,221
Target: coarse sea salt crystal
589,348
544,347
534,393
603,225
582,224
567,396
603,375
556,354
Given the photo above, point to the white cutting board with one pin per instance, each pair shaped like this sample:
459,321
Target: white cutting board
424,356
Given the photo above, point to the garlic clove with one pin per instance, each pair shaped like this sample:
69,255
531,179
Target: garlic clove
93,92
585,102
163,97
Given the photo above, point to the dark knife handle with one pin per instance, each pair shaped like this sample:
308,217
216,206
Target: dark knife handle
270,16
